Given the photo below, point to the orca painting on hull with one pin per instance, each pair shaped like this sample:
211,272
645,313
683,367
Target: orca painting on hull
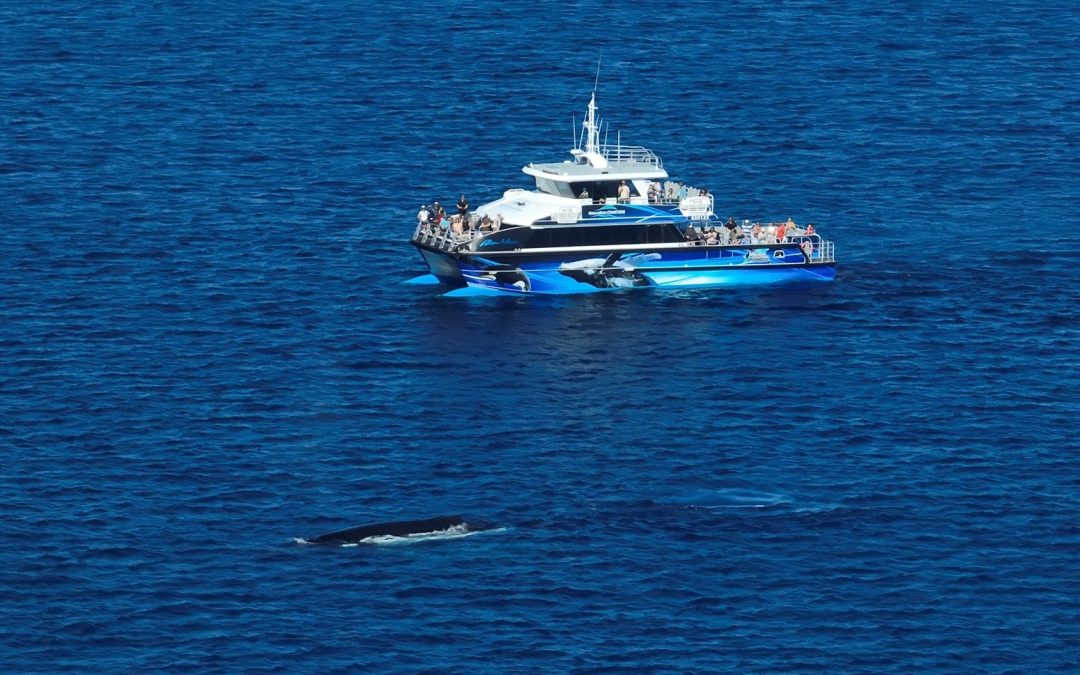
402,528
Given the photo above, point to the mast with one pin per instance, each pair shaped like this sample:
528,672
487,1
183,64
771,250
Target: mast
592,136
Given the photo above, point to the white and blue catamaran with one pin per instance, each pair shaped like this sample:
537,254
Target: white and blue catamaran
612,218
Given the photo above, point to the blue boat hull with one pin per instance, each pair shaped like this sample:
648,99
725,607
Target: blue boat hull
595,271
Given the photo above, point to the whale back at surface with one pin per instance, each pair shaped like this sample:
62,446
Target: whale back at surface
402,528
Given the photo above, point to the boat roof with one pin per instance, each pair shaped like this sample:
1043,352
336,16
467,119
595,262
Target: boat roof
569,171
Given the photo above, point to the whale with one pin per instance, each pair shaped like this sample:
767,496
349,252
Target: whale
400,528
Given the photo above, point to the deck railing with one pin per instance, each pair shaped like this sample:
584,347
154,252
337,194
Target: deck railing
821,250
631,153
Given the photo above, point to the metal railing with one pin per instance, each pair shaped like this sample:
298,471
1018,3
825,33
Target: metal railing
444,239
826,252
631,153
821,250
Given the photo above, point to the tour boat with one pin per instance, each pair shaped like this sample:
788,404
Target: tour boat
611,218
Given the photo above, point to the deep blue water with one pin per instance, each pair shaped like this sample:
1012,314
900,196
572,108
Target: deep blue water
208,348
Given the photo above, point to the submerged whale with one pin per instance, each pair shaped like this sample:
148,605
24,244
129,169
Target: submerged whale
401,528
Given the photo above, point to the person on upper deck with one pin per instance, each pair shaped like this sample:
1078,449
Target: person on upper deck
463,207
422,216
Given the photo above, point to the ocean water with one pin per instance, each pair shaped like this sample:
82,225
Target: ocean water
208,347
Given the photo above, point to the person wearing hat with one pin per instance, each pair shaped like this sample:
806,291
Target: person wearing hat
423,216
437,214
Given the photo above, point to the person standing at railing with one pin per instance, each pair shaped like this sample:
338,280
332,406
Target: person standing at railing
437,214
422,217
463,208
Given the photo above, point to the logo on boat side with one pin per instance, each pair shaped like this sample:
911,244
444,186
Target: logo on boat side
608,210
757,255
499,242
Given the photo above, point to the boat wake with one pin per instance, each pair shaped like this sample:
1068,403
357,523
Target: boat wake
732,499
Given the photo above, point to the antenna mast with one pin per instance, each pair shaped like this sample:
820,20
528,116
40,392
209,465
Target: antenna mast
598,62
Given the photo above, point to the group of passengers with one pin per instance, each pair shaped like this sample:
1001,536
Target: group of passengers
658,193
463,223
732,232
673,191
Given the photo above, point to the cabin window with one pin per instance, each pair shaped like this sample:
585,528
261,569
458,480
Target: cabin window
554,187
602,189
664,234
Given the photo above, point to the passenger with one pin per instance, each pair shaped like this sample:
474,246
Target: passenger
485,223
584,193
683,191
781,232
711,238
456,226
809,229
463,207
756,235
437,215
790,223
624,192
654,193
807,249
496,223
691,232
724,235
670,191
422,216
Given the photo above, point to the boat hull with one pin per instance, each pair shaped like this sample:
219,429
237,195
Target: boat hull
592,271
